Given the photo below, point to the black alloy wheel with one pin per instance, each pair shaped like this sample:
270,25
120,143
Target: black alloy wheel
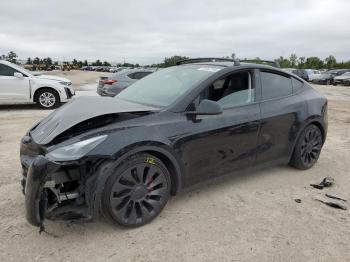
138,190
308,148
311,146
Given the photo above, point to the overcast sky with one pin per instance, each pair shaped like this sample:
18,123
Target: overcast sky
147,31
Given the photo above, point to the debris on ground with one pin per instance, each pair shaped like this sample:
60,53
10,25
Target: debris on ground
333,204
326,182
336,197
297,200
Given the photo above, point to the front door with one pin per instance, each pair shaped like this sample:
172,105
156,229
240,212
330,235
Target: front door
219,144
13,88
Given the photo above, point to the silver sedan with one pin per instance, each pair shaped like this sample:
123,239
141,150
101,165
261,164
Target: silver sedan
110,86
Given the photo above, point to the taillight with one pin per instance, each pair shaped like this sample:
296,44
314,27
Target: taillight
108,82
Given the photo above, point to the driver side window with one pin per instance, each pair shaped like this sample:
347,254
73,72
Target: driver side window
233,90
6,70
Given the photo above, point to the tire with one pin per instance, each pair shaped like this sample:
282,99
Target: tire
47,98
308,148
136,191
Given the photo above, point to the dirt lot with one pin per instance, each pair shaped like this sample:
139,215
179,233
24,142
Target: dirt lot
248,217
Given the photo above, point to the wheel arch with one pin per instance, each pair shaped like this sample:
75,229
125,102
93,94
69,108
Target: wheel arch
36,92
161,151
316,122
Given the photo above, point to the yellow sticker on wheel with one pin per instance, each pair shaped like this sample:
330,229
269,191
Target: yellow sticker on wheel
150,160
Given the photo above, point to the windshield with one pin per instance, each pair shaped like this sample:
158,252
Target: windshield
163,87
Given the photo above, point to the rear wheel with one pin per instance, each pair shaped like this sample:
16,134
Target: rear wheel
308,148
47,98
137,191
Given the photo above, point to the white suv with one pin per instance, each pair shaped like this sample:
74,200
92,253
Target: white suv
17,85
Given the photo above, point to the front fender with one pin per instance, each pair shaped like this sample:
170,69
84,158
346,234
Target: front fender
147,146
37,85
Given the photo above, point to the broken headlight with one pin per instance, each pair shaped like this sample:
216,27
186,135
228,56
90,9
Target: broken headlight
76,150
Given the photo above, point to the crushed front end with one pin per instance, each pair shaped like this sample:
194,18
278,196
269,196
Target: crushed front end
55,190
62,155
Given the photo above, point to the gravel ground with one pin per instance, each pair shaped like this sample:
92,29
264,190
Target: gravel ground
246,217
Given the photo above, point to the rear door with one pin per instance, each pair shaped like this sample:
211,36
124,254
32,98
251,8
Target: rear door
13,88
281,110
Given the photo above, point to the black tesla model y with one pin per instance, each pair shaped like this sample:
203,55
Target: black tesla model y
123,157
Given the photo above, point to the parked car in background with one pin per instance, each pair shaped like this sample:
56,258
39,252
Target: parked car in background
307,74
18,85
289,70
337,72
343,79
110,86
87,68
115,69
323,79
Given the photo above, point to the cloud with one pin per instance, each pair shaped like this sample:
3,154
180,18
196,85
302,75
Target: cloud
147,31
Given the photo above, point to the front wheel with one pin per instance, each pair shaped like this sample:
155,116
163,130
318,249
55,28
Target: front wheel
47,98
136,191
308,148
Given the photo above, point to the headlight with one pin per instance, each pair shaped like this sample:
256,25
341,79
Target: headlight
65,83
76,150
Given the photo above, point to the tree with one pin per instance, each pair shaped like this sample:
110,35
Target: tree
46,61
97,63
11,57
36,61
105,63
171,61
29,61
314,62
293,60
85,63
284,62
49,60
330,62
301,62
75,62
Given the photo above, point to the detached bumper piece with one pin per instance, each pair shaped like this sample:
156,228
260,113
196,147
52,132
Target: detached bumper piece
55,192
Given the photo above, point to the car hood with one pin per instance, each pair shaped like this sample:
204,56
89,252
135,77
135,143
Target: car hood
50,77
79,110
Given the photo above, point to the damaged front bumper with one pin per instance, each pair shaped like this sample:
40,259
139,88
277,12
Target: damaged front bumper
57,191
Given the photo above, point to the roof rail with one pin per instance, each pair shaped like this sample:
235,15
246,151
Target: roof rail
236,62
274,63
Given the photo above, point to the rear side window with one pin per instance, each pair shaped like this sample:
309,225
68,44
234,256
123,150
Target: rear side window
6,70
297,85
275,85
143,74
132,76
138,75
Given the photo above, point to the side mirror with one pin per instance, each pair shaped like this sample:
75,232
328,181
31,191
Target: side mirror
207,107
18,75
